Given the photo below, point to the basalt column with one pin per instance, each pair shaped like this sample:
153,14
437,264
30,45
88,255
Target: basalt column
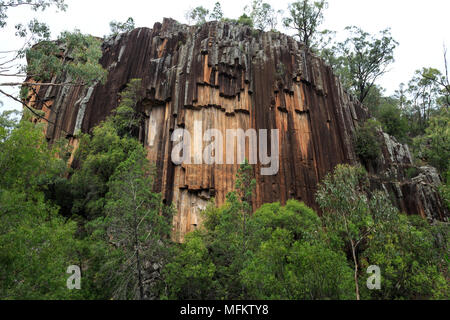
226,76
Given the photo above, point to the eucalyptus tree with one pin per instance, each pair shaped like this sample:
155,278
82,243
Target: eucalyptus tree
42,60
305,17
362,59
262,15
118,27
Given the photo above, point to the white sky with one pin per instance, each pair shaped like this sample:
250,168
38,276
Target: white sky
421,27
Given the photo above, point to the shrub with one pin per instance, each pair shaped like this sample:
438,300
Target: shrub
412,172
245,20
367,145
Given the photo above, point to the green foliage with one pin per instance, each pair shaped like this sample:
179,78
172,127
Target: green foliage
286,247
134,230
434,145
262,14
123,246
198,15
121,27
7,124
367,145
411,254
85,52
362,58
392,120
35,5
26,161
445,190
100,155
305,17
342,198
245,184
216,13
423,99
37,248
287,254
226,237
425,106
36,244
347,209
286,269
256,33
412,172
375,97
72,54
45,61
245,20
440,81
126,119
35,29
406,252
298,219
349,213
123,226
191,273
220,263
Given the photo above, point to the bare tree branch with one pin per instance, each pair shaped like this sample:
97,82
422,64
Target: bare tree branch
32,111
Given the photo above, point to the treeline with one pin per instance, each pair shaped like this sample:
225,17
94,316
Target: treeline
102,216
288,252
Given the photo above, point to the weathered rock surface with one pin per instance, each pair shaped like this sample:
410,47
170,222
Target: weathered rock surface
229,77
413,195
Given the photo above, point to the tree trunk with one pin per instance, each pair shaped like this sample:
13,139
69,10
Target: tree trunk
138,262
356,270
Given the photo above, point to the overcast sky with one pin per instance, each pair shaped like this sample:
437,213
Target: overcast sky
421,27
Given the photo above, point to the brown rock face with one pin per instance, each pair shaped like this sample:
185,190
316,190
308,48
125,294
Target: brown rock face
226,76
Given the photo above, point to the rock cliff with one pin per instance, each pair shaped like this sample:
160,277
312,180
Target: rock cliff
229,76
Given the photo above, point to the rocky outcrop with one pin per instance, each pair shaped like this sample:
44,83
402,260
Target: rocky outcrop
228,76
412,189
